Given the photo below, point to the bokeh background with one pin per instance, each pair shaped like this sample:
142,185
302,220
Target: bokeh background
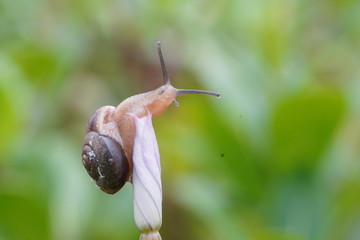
277,157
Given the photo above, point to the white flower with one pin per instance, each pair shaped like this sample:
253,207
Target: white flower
146,179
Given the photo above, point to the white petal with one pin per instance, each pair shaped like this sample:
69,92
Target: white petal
146,177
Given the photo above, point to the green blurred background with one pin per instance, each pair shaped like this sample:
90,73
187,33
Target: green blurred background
277,157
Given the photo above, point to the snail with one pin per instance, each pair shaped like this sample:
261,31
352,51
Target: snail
108,144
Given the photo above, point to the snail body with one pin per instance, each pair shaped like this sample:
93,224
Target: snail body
109,140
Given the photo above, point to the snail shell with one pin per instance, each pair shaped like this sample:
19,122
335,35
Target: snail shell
102,155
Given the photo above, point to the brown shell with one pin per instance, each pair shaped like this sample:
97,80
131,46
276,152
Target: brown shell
105,161
103,155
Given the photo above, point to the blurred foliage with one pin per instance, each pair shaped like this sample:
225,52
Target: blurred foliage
277,157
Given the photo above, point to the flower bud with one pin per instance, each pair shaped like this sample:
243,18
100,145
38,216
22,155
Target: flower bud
146,179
